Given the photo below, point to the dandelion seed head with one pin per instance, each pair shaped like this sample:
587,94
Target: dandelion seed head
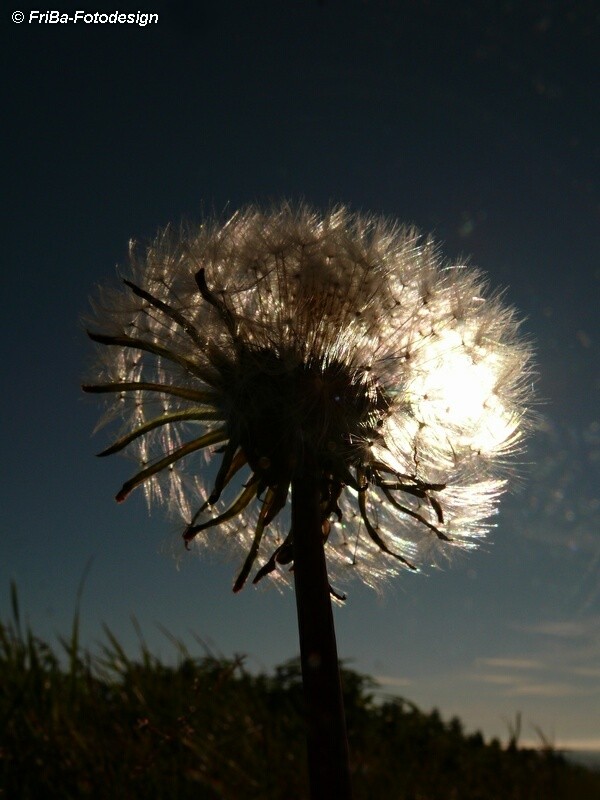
283,338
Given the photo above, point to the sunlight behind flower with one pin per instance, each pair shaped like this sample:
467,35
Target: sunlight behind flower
455,390
284,338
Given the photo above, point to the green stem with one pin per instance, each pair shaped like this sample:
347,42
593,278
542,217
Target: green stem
328,761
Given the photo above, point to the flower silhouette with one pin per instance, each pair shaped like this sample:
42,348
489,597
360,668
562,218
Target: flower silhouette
341,344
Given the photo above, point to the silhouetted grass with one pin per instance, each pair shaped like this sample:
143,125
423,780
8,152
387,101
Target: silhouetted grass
111,727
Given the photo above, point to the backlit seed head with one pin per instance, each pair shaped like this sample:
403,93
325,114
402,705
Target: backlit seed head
286,340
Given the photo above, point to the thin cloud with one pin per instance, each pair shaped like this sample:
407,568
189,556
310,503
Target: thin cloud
510,663
591,743
546,690
565,629
569,629
392,682
587,672
495,678
513,675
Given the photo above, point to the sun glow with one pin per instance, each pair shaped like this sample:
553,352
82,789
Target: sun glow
453,392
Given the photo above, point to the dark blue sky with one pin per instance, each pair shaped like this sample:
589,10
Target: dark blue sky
476,121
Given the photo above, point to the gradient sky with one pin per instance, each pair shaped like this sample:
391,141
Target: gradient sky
478,122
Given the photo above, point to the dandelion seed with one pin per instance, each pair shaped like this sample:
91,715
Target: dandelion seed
331,359
340,341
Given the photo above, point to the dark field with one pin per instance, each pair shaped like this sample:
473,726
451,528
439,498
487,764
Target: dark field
105,726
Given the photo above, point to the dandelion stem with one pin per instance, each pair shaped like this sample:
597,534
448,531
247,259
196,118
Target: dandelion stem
329,768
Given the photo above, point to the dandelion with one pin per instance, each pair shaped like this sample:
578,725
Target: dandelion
334,360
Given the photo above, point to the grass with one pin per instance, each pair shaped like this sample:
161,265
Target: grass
74,725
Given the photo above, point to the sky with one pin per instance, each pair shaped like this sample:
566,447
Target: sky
477,122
